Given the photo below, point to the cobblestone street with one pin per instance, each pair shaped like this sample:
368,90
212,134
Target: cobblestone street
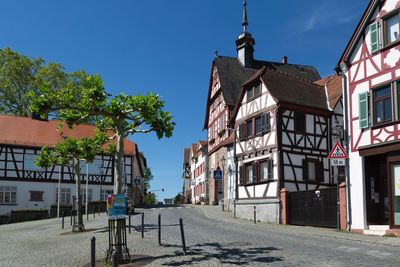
213,238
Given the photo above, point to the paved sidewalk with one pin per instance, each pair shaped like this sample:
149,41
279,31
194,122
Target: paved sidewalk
216,213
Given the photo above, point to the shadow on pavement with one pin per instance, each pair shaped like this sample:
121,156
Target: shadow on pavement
226,254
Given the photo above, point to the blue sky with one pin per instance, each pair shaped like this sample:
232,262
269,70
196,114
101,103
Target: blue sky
167,46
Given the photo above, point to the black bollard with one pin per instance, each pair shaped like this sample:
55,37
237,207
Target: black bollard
87,214
93,252
159,229
142,224
98,209
183,236
129,222
254,210
71,217
62,222
114,259
94,213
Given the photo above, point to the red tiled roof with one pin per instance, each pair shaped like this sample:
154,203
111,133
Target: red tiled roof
333,85
26,131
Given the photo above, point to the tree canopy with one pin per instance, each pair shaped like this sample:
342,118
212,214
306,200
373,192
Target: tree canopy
20,78
84,98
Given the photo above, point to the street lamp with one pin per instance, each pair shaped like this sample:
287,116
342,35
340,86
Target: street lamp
86,189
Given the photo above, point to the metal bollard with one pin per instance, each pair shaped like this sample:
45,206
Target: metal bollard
142,224
62,222
71,217
94,213
87,215
159,229
98,209
114,259
93,252
183,236
129,223
254,210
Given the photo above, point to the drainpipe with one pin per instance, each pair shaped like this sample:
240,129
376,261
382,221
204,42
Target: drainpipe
343,69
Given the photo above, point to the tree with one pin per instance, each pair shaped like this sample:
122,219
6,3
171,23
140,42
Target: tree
147,177
73,150
123,115
178,198
20,78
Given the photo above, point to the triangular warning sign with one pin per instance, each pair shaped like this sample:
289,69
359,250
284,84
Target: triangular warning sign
337,152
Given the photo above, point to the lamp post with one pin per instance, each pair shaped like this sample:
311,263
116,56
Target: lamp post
87,183
337,133
59,192
223,161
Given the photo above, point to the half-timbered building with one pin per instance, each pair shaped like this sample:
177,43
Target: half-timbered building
282,127
199,163
226,79
370,66
23,185
186,175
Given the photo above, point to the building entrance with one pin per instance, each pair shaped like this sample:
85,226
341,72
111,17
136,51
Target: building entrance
376,190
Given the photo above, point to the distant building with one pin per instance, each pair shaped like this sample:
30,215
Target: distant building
199,181
25,186
186,175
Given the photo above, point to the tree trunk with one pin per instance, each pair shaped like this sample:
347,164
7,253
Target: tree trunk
77,171
119,156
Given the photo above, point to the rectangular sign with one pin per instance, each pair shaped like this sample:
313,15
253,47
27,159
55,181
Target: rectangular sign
397,181
217,175
338,162
116,205
137,181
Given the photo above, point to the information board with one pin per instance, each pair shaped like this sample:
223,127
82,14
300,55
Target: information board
116,205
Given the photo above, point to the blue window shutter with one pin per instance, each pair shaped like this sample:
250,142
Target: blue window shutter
363,110
373,28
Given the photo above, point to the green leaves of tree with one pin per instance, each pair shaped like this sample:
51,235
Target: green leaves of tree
20,79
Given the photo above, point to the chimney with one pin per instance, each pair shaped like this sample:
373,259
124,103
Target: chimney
284,60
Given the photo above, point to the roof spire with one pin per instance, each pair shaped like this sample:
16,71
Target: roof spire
245,22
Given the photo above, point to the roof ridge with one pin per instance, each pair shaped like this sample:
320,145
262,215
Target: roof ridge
294,76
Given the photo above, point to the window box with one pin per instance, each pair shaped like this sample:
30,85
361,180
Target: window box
212,141
221,133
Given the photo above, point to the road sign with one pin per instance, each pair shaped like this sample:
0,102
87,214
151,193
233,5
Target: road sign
337,152
338,162
137,181
218,175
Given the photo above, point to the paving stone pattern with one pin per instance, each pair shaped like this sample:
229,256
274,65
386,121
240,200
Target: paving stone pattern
213,238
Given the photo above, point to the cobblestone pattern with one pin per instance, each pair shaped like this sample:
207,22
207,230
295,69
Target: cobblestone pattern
213,238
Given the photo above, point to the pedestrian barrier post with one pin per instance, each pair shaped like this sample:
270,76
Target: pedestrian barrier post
183,236
62,222
93,252
142,224
254,210
159,229
114,259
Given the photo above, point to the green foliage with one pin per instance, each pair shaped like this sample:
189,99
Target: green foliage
149,199
178,198
20,79
147,177
79,149
84,98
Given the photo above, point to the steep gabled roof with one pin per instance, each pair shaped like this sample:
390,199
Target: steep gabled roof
333,87
26,131
233,75
358,33
285,88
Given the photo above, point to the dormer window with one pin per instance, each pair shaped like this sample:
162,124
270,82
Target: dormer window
391,29
253,92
